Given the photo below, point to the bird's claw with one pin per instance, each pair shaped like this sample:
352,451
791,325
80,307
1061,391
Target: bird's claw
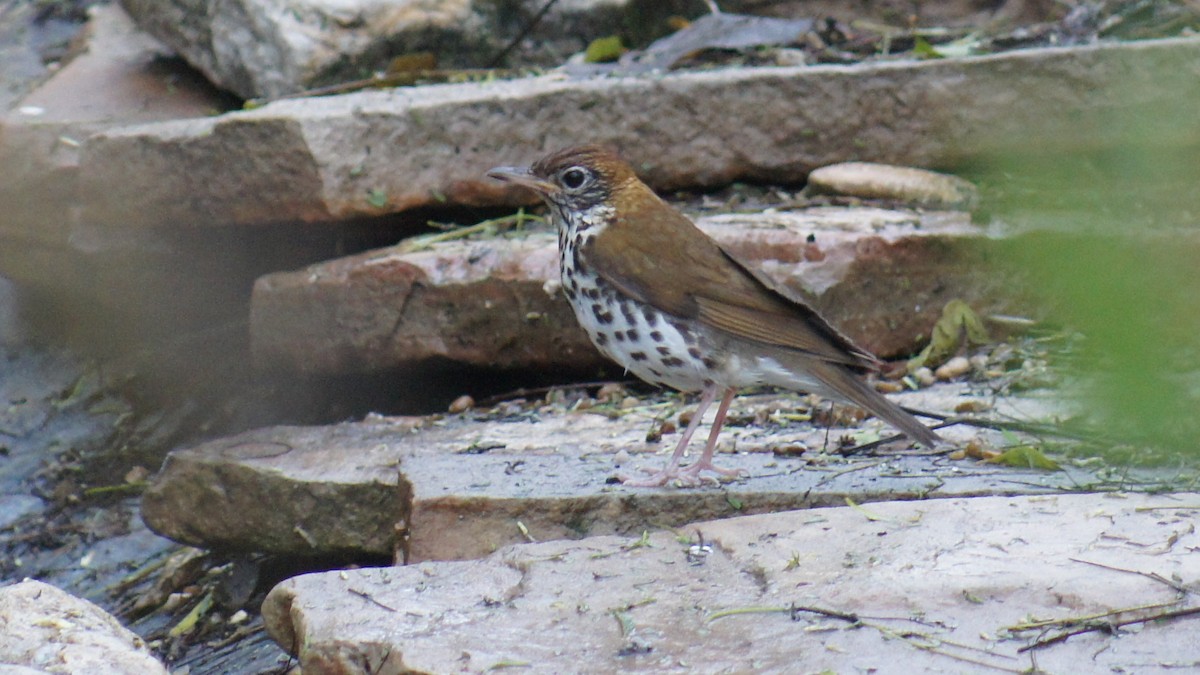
688,476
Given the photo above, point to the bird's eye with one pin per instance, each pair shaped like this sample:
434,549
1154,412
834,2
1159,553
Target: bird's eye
573,178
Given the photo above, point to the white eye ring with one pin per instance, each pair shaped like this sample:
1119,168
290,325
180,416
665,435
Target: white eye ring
574,177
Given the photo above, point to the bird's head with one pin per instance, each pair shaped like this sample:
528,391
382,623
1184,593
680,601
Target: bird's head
574,180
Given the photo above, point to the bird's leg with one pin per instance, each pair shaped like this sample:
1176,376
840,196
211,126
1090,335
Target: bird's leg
671,470
705,462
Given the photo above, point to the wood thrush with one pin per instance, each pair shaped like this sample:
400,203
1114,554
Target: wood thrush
662,299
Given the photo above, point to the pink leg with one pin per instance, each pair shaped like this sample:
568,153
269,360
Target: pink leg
690,475
705,461
671,470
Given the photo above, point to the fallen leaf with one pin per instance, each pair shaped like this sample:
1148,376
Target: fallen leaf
1025,457
604,50
959,325
923,50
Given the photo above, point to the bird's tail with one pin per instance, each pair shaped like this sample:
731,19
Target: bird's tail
842,383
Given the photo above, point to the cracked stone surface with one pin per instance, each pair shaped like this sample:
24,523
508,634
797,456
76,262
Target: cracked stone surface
939,586
462,486
495,302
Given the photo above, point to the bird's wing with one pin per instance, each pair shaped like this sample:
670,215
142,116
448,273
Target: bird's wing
673,265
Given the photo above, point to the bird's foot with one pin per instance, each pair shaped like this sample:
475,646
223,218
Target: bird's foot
688,476
693,471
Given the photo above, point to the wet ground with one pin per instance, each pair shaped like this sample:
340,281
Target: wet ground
66,523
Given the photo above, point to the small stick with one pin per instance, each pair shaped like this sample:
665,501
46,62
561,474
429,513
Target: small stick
537,18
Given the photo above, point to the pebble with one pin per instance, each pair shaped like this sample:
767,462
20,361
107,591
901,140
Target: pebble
925,376
462,404
610,392
916,187
959,365
972,406
888,387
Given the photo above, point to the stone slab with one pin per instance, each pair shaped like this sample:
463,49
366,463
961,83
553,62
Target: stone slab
881,276
51,631
463,486
258,49
379,152
936,586
219,493
118,76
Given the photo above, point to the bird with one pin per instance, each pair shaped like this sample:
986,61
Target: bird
665,301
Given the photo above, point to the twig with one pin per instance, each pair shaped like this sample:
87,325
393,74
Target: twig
795,611
1003,425
915,639
537,18
121,489
1155,576
999,425
371,599
1108,626
863,447
838,474
423,242
738,611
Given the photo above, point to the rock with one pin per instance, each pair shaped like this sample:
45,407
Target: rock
460,487
931,586
906,185
120,76
495,302
280,496
477,303
461,404
959,365
260,49
378,152
255,48
349,159
49,631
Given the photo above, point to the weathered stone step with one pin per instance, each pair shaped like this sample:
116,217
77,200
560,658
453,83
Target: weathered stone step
379,152
921,587
463,486
882,276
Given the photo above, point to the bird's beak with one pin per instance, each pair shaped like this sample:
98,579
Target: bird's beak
521,176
